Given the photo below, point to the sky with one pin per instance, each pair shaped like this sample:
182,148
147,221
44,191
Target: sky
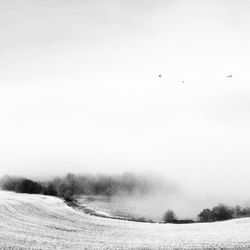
80,89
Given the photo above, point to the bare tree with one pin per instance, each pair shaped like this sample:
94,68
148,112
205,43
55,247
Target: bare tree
169,217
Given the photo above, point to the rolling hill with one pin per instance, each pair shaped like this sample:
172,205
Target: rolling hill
45,222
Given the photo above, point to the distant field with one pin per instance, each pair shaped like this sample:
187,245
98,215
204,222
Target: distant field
44,222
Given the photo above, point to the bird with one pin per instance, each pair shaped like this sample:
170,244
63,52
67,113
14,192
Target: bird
159,75
229,76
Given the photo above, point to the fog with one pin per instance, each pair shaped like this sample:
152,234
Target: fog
80,92
185,205
135,195
185,202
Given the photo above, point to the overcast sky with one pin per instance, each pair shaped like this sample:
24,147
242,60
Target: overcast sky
80,92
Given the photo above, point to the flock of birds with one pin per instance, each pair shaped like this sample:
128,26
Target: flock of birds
160,76
228,76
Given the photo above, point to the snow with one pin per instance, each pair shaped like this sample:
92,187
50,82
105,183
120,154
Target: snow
44,222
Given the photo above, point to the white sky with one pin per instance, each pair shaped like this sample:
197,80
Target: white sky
80,92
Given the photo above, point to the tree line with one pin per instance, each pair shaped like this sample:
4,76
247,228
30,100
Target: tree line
69,186
220,212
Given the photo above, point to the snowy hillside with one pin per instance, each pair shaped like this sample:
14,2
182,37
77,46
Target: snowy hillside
44,222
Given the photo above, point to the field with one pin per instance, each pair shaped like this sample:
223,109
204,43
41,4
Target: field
44,222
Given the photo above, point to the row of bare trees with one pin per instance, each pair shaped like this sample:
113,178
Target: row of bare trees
217,213
69,186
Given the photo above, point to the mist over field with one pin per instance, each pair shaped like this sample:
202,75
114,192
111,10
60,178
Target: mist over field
144,194
167,194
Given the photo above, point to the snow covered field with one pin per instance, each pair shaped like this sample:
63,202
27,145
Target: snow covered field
44,222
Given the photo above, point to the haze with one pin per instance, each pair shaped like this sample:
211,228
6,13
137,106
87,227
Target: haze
80,91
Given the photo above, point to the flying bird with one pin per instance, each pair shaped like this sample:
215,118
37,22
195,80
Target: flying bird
159,75
229,76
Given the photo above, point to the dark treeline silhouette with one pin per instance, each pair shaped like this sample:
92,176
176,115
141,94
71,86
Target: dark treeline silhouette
21,185
72,185
217,213
223,212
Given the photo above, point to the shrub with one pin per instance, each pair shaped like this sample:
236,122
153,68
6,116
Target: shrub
28,186
222,212
206,215
50,189
218,213
169,217
9,183
21,185
241,212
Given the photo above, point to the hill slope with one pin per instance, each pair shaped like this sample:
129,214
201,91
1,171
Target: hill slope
44,222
